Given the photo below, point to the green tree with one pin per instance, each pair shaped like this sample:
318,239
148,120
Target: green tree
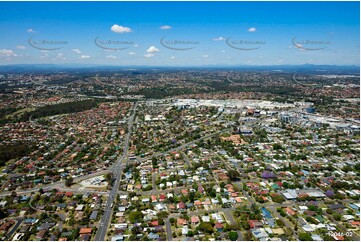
69,181
190,233
233,175
233,235
162,215
206,227
135,216
280,223
305,237
3,213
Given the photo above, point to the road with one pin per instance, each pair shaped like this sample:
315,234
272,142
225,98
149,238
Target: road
249,198
186,159
233,222
117,172
284,220
154,180
168,228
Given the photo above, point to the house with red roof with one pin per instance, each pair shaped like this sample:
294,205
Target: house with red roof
218,227
290,211
207,202
255,224
184,192
197,203
85,231
194,220
69,194
355,223
162,197
181,222
181,205
154,223
153,198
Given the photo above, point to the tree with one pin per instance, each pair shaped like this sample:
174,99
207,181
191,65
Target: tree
69,181
154,162
135,216
278,198
191,196
3,213
108,177
135,230
233,235
280,223
162,215
277,146
337,216
305,237
233,175
132,194
148,188
206,227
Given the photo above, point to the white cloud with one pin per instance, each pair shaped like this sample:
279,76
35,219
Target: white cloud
131,53
252,29
219,38
205,56
60,56
152,49
44,51
120,29
7,53
135,45
165,27
172,57
76,51
148,55
111,57
84,57
30,31
21,47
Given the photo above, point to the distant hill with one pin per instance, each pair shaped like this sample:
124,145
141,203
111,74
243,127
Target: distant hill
309,68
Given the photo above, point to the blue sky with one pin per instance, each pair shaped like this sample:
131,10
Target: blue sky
213,33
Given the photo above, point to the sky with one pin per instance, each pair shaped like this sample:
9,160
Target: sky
180,33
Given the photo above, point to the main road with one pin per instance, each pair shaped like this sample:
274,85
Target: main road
117,171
